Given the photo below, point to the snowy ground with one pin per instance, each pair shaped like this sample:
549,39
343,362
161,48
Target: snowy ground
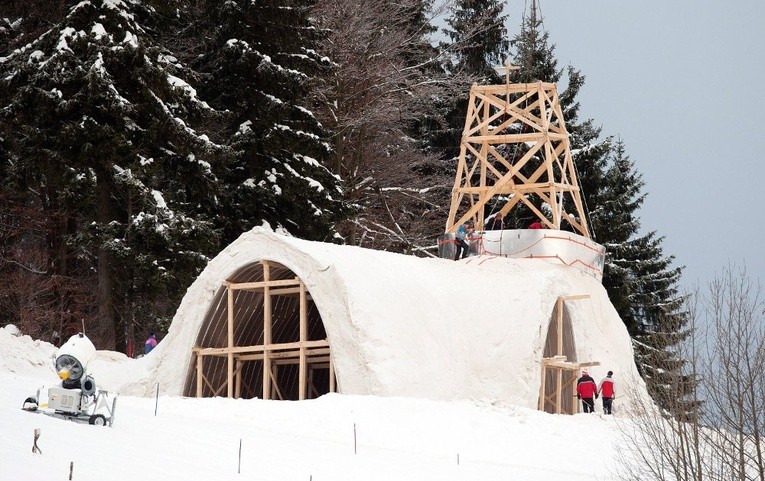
395,438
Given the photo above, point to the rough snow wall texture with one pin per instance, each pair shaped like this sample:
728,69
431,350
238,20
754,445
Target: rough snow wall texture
405,326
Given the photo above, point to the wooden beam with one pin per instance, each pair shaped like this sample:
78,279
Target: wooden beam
266,330
230,365
515,88
515,138
575,298
311,361
571,366
559,382
303,369
274,383
199,375
218,390
238,379
332,381
559,308
262,284
287,291
541,406
309,353
223,351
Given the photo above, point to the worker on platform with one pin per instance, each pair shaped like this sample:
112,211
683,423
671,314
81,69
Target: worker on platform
537,224
585,390
460,239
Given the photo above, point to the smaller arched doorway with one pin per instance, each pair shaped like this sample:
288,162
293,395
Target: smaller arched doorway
262,337
557,393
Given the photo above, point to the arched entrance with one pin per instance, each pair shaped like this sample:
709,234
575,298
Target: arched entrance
262,337
560,369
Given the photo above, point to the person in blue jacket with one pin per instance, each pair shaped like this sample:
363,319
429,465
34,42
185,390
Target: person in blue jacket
460,239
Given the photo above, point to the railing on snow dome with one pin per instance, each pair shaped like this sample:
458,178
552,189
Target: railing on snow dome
556,246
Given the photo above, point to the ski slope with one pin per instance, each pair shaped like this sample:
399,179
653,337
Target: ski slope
336,437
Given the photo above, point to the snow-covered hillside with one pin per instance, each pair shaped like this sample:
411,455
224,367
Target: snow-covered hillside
395,438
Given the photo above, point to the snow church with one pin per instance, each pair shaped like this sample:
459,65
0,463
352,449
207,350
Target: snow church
275,317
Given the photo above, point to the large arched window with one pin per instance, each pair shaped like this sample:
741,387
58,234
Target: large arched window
262,337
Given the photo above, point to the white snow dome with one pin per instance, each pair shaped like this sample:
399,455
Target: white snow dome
322,317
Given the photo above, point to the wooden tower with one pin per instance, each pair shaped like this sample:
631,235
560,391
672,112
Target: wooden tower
514,147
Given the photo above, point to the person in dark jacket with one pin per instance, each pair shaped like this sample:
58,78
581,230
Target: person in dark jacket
585,390
606,390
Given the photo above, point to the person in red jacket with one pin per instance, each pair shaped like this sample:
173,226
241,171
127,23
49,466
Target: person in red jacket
606,389
537,224
585,390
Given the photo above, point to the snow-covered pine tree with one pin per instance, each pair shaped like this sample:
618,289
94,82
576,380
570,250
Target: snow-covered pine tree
102,130
614,218
477,28
257,62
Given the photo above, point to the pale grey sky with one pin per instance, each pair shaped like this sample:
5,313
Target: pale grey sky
681,83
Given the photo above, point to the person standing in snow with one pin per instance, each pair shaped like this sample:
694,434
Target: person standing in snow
150,344
606,390
585,390
460,239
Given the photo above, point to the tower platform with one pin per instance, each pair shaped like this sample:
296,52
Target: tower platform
552,245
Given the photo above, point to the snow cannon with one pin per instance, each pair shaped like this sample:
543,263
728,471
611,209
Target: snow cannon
76,398
71,363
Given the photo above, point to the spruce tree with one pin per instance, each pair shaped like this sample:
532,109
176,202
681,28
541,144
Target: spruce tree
643,287
477,27
101,130
614,218
257,65
151,139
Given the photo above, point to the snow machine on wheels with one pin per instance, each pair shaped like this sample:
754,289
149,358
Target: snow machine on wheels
76,398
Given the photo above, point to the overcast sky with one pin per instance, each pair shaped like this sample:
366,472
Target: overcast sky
681,83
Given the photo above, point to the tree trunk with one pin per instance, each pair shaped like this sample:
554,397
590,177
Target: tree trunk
107,325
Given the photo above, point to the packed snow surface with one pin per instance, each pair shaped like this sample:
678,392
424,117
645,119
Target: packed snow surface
336,437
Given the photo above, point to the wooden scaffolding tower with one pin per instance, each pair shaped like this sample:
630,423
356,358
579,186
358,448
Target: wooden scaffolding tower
307,355
558,398
515,145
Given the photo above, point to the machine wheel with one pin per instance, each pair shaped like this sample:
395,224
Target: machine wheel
98,420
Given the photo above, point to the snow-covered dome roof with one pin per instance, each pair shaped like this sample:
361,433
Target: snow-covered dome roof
400,325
